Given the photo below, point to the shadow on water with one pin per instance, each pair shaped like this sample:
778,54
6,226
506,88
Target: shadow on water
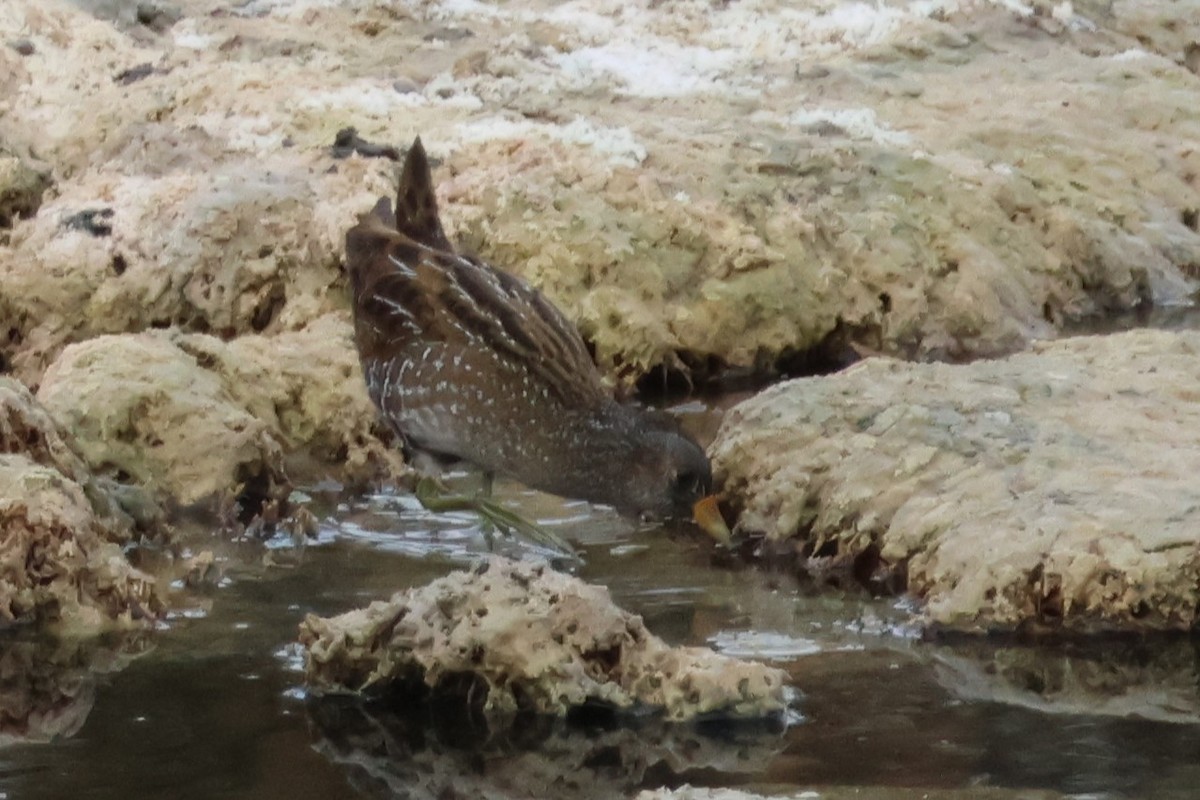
1169,318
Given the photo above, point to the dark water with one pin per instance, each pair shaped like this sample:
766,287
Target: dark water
213,705
1170,318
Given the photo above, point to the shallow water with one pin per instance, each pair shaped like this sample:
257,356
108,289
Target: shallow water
216,707
213,705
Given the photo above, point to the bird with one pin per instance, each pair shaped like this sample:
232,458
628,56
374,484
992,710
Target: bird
469,363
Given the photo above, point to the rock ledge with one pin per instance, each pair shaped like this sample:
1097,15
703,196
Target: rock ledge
531,639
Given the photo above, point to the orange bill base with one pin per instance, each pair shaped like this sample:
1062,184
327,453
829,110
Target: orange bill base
707,515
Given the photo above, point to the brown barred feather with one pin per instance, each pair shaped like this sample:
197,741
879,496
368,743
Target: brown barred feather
468,362
416,202
419,287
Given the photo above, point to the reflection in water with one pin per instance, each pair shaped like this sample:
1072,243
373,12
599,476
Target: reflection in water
1120,678
394,750
48,685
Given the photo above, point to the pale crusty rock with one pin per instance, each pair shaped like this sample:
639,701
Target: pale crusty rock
531,639
698,187
1053,488
26,427
227,249
143,411
61,530
194,416
307,386
56,561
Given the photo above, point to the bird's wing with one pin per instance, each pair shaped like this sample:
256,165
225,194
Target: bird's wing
409,285
501,311
411,293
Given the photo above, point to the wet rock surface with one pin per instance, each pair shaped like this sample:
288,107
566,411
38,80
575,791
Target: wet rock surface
60,556
1051,489
514,637
191,415
703,188
698,190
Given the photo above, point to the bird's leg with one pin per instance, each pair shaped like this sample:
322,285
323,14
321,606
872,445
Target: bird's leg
486,523
485,485
434,497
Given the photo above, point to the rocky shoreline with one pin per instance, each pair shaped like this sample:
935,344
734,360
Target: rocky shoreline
1050,491
706,190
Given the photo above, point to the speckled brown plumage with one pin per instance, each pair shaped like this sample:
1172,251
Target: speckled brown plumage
467,362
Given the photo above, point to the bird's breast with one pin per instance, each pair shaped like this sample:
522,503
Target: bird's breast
473,405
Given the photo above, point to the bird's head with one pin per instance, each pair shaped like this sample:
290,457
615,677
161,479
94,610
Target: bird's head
668,476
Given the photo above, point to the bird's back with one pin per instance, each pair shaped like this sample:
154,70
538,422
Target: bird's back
464,360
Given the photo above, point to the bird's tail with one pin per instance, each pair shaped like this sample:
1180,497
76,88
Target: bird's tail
416,204
415,220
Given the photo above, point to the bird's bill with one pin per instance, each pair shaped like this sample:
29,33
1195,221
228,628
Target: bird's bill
707,515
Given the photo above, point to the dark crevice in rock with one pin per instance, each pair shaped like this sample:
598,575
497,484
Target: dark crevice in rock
692,373
347,142
94,221
256,492
268,308
21,196
134,74
880,577
663,382
840,348
1190,217
158,18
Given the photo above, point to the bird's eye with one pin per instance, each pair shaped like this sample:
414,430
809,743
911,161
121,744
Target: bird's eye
688,484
